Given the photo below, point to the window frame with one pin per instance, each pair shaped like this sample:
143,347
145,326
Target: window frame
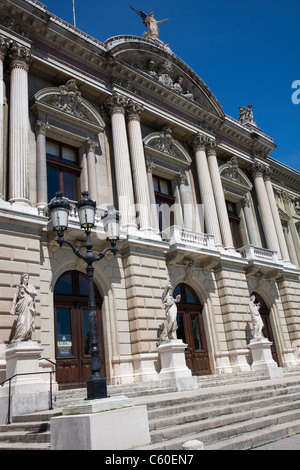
64,166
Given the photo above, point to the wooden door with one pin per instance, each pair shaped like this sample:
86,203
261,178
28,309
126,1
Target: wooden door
191,330
72,330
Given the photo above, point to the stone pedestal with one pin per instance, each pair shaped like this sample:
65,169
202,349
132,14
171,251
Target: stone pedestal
262,358
30,392
112,423
173,365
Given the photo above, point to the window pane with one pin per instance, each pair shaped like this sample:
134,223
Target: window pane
196,332
64,285
70,186
52,182
86,330
164,187
68,154
83,285
155,183
180,330
63,330
190,298
52,150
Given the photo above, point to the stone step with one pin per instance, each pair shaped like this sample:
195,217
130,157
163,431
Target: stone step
223,412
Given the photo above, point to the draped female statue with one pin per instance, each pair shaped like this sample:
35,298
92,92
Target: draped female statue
170,326
24,306
256,318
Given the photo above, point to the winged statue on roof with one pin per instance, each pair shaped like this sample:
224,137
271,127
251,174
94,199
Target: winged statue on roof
151,23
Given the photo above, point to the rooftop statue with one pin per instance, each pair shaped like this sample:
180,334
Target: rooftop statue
151,24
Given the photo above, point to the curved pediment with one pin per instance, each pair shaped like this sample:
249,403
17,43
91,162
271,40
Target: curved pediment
166,148
159,64
234,177
67,100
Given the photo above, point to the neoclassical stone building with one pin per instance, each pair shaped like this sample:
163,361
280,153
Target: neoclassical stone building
202,203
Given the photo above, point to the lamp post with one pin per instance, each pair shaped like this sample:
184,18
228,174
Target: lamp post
59,210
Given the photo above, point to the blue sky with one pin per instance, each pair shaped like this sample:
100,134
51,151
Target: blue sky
246,51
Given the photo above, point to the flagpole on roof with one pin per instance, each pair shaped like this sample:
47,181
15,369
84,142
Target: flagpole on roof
74,20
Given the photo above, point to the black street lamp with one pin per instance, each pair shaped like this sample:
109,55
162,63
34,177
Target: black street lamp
59,209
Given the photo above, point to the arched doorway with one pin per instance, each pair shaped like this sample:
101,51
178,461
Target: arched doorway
72,329
191,330
267,330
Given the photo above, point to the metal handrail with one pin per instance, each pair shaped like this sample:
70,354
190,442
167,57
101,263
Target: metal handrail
29,373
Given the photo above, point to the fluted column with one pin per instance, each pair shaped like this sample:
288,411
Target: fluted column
276,216
266,216
18,126
3,49
250,223
139,173
117,104
41,163
206,190
153,213
219,195
186,207
91,169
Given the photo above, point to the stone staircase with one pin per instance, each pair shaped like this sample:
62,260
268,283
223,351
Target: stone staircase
229,412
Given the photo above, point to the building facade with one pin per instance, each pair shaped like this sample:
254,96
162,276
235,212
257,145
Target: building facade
202,204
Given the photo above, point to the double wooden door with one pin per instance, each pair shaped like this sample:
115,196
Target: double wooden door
191,330
73,330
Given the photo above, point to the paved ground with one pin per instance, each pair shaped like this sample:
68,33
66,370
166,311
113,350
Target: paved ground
289,443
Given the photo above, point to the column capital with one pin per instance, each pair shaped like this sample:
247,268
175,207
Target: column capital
258,169
211,147
199,142
181,178
117,103
20,56
41,127
91,145
134,110
267,174
149,166
4,45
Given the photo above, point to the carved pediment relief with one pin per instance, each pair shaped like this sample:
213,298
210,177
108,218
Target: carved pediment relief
165,69
67,100
234,177
165,147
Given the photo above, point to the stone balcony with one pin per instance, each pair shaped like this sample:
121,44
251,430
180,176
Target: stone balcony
262,260
184,243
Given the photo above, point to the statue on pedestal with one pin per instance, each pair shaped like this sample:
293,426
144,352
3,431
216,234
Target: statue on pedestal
151,24
256,319
24,306
170,327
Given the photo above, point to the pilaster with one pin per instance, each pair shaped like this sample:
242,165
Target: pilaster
41,163
91,168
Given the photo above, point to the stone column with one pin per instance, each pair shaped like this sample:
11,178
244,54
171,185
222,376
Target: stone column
206,190
138,165
219,195
18,126
41,164
266,216
117,104
154,218
253,238
91,169
187,215
3,48
276,216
